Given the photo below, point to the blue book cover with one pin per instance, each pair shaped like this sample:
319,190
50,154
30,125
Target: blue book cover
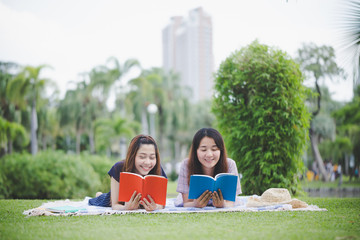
226,182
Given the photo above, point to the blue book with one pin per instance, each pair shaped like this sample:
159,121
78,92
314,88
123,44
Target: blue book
226,182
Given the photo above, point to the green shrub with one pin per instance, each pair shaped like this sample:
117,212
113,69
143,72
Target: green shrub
52,175
173,176
101,166
259,107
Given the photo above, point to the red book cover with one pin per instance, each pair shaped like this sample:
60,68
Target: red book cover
153,185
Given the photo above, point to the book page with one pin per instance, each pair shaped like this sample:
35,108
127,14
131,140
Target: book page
156,187
223,174
129,182
227,183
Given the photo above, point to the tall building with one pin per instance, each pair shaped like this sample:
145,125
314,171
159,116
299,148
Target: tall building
187,50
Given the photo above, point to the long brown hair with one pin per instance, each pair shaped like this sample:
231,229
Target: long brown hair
129,165
194,165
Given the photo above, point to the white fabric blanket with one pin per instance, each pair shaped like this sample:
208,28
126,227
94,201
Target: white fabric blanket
85,209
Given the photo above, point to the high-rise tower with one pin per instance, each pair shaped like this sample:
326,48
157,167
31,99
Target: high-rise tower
187,49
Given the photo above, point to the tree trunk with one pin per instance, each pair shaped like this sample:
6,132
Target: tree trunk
317,156
9,146
92,141
78,138
34,126
44,143
347,164
313,136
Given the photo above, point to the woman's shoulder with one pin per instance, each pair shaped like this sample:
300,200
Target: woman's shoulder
232,167
119,163
230,161
185,162
117,167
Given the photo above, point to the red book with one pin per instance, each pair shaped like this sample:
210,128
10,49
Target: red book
153,185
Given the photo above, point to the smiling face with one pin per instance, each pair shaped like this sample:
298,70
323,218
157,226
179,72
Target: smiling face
145,159
208,154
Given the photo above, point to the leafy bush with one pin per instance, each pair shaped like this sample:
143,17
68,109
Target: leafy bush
50,175
173,176
101,166
259,107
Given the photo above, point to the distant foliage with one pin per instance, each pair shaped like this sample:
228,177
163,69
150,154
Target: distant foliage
259,107
53,175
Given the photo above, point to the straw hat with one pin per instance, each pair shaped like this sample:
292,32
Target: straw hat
274,196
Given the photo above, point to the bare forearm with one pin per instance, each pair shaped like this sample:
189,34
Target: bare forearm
118,206
189,204
159,206
228,203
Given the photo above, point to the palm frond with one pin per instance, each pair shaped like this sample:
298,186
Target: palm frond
349,28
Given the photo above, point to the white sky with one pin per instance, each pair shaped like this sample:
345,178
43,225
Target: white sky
75,36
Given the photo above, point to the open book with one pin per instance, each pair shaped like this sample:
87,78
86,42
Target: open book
153,185
226,182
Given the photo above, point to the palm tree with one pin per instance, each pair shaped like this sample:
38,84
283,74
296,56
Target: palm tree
115,73
349,26
102,80
73,112
109,78
10,131
174,122
110,130
141,94
49,127
26,89
7,108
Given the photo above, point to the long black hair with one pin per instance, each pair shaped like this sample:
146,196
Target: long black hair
194,165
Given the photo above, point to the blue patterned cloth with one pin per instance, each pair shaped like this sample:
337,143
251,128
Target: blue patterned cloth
86,209
102,201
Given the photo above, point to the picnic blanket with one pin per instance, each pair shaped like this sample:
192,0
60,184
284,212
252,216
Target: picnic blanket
79,208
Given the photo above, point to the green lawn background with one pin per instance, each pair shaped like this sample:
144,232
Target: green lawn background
341,221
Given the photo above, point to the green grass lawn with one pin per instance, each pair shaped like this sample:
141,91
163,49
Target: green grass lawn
341,221
171,189
346,183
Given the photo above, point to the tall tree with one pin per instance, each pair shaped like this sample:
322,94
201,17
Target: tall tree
110,77
49,127
349,27
173,118
104,77
110,130
318,63
348,122
10,131
27,88
73,111
7,108
141,94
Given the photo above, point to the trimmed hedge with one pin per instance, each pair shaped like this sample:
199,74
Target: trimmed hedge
53,175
